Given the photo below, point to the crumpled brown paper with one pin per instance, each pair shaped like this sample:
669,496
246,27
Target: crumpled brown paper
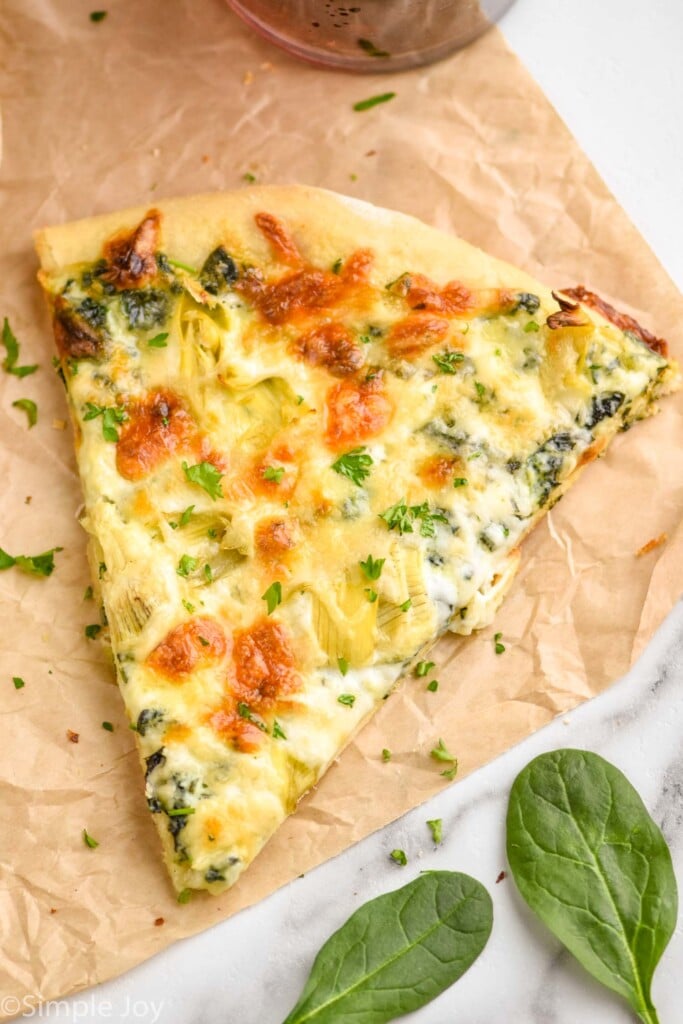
161,99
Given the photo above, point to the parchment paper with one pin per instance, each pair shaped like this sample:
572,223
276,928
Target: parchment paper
171,98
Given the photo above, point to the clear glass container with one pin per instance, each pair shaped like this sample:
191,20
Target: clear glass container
370,35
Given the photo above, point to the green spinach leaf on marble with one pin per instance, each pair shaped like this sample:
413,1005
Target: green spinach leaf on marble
398,952
593,865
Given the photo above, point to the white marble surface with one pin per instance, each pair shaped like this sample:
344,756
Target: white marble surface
613,68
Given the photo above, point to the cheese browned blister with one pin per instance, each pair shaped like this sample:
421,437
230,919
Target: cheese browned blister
311,435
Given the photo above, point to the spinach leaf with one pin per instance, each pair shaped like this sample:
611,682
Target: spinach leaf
593,865
398,952
145,307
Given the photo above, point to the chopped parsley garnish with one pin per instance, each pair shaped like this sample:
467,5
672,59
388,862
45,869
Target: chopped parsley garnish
186,565
448,361
158,341
398,517
348,699
531,327
441,753
19,683
30,408
399,857
274,473
177,812
373,101
372,595
187,515
427,519
101,569
372,567
108,726
208,573
343,665
386,755
188,607
111,415
91,843
433,686
96,16
272,596
205,475
371,49
498,646
88,595
203,641
249,177
337,265
436,828
483,394
9,363
401,517
34,565
354,464
423,667
93,631
278,731
406,605
460,481
184,896
244,711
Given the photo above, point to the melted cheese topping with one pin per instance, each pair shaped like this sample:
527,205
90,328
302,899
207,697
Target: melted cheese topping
249,433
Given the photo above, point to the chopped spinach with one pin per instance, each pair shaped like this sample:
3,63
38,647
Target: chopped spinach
154,761
527,301
94,313
603,407
219,272
545,464
145,307
148,719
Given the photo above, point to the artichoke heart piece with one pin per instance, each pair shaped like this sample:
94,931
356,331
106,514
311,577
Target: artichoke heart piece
214,543
130,608
265,409
345,623
406,619
202,333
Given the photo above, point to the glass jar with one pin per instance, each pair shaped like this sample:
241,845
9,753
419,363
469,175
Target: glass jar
370,35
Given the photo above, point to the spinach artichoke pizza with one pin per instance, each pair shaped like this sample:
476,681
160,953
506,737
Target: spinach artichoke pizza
312,435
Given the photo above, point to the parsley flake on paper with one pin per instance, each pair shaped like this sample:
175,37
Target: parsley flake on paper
30,408
373,101
34,565
9,363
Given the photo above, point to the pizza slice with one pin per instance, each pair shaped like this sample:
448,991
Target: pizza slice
311,435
